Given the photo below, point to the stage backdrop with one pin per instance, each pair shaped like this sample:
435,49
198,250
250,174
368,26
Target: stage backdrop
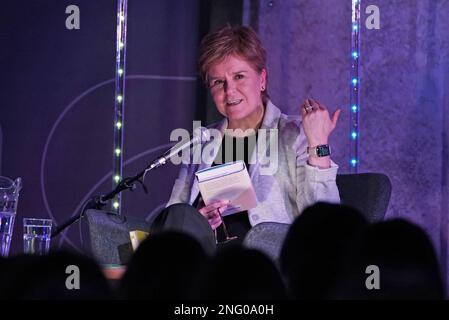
57,102
404,119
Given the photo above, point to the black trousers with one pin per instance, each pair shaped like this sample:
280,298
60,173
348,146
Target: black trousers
185,218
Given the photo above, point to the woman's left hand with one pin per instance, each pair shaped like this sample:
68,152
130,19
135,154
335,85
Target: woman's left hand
317,123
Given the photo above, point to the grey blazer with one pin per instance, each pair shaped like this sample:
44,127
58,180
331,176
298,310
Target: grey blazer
284,185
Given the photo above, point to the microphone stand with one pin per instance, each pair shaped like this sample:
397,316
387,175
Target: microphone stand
98,202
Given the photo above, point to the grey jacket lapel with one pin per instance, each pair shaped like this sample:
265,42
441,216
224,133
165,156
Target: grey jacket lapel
270,121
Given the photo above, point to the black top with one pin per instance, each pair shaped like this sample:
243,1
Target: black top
234,149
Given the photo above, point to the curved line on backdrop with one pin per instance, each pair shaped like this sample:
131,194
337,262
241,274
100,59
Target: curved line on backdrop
68,108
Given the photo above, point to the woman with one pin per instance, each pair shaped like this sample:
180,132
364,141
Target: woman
233,65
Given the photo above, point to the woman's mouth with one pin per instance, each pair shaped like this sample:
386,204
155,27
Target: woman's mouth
231,103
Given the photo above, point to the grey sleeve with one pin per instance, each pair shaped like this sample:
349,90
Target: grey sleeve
314,184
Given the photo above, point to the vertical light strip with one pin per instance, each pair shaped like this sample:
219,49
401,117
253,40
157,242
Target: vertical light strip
354,99
119,99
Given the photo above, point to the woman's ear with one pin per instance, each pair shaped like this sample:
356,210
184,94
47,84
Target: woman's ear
263,79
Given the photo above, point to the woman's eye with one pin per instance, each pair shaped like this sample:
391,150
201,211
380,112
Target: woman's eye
238,76
217,83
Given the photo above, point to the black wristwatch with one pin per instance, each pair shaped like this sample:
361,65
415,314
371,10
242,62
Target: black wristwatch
319,151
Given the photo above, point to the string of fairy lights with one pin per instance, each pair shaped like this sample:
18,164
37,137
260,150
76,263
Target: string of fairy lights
119,99
355,86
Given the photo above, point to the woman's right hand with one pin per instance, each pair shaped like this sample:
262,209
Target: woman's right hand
211,213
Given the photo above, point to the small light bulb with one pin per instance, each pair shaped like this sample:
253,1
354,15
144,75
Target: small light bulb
120,71
354,81
118,124
354,162
122,17
119,98
355,55
115,205
354,108
117,151
121,45
354,135
354,27
117,178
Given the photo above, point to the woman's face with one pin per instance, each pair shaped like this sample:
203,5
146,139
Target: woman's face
236,89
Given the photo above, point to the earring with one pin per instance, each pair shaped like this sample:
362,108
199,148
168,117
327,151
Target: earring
263,88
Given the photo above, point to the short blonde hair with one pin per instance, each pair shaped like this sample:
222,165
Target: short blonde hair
240,41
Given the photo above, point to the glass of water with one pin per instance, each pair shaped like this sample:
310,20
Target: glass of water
36,236
9,196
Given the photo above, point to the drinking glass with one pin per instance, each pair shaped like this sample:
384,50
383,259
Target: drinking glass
225,231
9,197
36,236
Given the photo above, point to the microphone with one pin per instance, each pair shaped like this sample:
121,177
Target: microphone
200,134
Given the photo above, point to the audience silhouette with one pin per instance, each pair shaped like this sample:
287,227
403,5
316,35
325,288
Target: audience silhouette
48,277
166,266
329,252
237,273
315,245
404,259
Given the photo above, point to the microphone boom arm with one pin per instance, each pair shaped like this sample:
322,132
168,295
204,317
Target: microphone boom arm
98,202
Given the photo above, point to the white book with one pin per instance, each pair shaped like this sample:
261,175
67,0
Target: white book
229,181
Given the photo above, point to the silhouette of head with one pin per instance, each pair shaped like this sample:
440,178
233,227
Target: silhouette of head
166,266
406,263
238,273
59,275
315,247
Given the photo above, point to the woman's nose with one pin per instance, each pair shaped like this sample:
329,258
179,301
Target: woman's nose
230,86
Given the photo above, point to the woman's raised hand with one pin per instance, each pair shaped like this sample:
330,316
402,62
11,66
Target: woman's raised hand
317,123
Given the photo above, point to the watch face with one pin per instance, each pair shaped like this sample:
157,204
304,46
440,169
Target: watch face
322,151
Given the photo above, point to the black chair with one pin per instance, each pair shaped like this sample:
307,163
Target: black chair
267,237
110,242
368,192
